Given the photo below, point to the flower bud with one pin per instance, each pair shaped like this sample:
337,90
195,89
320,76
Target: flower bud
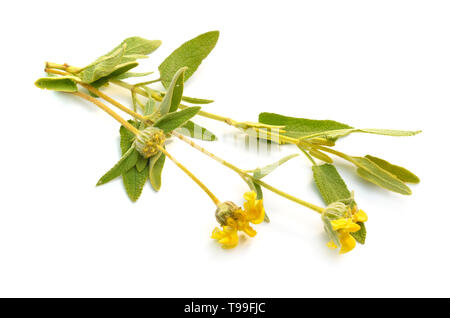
224,211
336,210
148,140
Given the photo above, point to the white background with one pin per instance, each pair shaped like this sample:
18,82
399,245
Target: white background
370,64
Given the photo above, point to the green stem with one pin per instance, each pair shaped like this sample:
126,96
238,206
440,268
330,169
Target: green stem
308,156
244,175
336,153
108,110
191,175
64,67
157,97
99,93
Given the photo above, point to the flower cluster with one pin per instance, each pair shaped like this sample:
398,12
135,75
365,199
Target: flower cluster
233,219
340,222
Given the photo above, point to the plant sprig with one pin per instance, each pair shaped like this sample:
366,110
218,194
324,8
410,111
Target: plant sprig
162,115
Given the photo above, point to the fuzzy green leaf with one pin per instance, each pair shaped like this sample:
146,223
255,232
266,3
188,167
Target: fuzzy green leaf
125,163
118,71
141,163
190,54
137,47
336,134
264,171
192,100
156,165
61,84
128,51
193,130
360,236
103,66
400,172
332,234
134,182
131,74
198,101
300,127
320,155
172,99
371,172
126,137
174,120
330,184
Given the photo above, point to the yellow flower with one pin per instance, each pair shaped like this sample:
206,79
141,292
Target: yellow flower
359,216
254,208
345,225
228,237
238,219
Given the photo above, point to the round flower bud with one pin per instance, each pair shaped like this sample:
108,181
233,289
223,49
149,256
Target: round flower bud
148,140
224,211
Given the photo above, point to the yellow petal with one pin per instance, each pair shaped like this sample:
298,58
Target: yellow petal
250,196
352,227
230,239
348,243
217,234
346,225
258,213
231,222
339,224
360,216
249,231
331,245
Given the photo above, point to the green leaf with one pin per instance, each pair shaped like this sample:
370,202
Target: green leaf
125,163
300,127
172,99
377,175
126,137
190,54
333,189
156,165
264,171
103,66
137,47
61,84
134,182
360,236
119,70
131,74
400,172
193,130
330,184
141,163
198,101
254,186
174,120
332,234
320,155
128,51
336,134
191,100
150,106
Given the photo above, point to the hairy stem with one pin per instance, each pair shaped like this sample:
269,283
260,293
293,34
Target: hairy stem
157,97
191,175
108,110
243,174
